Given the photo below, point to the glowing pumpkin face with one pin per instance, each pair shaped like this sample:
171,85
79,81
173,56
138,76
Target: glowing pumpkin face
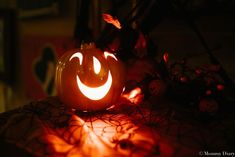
89,79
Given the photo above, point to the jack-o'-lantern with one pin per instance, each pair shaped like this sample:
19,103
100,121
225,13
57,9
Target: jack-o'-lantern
89,79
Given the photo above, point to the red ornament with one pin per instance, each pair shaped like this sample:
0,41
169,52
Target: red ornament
141,46
208,105
183,79
166,57
89,79
137,70
220,87
157,87
208,92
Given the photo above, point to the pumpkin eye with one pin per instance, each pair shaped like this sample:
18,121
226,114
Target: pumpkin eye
96,65
77,55
107,54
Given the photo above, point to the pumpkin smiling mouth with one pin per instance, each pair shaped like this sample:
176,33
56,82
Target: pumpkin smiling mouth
95,93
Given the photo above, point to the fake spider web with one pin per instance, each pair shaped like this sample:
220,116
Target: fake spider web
48,128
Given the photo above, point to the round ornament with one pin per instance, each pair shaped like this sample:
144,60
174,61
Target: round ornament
157,87
208,105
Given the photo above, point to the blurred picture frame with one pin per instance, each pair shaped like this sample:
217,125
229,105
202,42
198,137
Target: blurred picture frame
8,45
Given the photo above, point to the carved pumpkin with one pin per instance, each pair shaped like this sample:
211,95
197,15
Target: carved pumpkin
89,79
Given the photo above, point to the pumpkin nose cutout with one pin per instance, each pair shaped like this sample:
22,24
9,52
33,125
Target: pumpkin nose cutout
96,65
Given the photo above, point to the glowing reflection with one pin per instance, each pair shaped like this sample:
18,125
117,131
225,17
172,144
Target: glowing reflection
103,137
134,93
134,96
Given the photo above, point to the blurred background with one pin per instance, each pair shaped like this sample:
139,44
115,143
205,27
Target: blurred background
35,33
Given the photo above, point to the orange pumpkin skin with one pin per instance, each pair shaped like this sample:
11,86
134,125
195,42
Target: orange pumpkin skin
69,69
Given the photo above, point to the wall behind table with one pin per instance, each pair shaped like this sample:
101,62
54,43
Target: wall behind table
41,31
43,40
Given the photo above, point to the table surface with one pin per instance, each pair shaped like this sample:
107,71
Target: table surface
48,128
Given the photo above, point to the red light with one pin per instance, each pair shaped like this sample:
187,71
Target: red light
166,57
198,71
208,92
220,87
